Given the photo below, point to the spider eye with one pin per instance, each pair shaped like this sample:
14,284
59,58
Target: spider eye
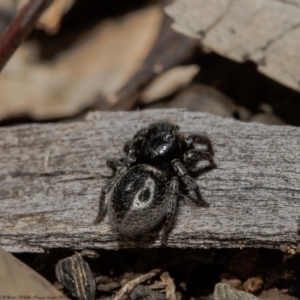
169,137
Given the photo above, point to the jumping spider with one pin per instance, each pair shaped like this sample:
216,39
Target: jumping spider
145,185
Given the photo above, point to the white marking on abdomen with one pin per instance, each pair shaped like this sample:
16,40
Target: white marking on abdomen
149,184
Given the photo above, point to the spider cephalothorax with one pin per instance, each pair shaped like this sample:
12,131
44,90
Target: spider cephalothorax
145,185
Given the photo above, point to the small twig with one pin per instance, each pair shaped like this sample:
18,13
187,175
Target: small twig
158,286
129,286
20,28
166,279
170,286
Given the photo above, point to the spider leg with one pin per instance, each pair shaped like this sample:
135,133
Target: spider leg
141,133
200,139
191,184
194,155
171,211
128,147
114,163
106,190
131,146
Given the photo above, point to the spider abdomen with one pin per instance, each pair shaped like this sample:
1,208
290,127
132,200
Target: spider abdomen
138,200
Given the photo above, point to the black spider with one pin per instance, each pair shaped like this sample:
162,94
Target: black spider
145,185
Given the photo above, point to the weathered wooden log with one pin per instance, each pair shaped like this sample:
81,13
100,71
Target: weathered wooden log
51,178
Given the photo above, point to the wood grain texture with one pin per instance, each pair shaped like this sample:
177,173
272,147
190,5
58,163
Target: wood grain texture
51,178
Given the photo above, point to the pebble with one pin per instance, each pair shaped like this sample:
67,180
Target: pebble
267,119
231,280
275,294
253,284
145,293
224,291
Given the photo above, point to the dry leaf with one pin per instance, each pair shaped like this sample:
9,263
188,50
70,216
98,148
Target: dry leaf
98,64
266,32
169,82
51,18
17,279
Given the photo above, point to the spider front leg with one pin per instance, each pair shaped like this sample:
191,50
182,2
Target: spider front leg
105,191
190,183
194,155
132,145
171,211
114,163
200,139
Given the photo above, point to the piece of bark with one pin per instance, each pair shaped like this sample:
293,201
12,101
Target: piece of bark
75,274
17,279
50,182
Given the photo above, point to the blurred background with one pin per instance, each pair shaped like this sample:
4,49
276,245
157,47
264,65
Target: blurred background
86,55
232,58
